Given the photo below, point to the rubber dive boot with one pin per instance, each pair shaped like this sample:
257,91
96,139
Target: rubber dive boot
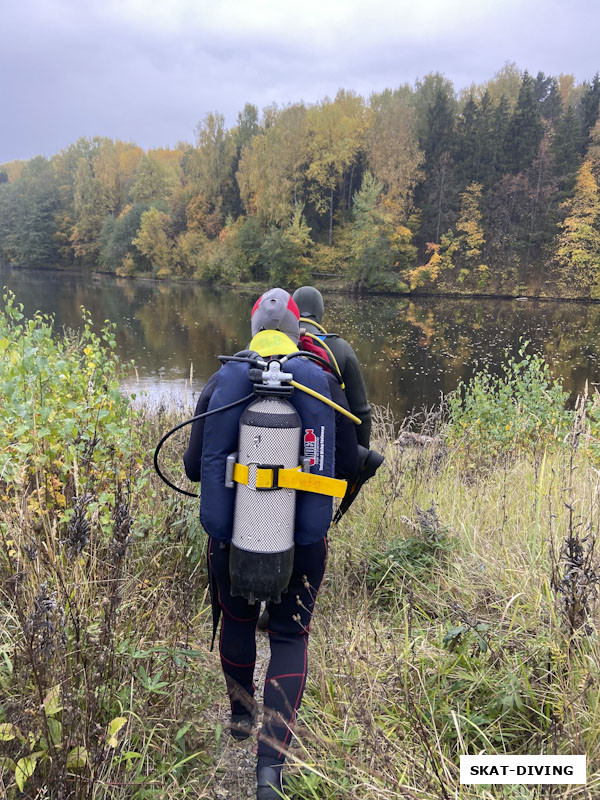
269,784
242,724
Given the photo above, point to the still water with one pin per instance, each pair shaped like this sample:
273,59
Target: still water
411,350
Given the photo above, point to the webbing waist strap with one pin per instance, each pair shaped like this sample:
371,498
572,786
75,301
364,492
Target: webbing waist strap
273,477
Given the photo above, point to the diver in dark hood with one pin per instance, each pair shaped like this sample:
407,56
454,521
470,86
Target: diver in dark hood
310,303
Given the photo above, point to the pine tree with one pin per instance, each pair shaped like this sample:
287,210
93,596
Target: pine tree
566,148
468,143
436,104
589,108
547,95
500,126
378,241
525,130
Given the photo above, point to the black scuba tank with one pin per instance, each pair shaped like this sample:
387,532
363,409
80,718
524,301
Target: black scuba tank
262,545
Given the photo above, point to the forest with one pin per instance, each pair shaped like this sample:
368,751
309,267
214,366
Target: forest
420,189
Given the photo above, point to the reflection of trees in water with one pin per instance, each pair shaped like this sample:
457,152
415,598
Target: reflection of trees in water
433,343
179,327
410,349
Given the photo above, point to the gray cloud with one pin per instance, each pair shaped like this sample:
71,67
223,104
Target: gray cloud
149,73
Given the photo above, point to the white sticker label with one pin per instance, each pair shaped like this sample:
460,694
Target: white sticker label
523,769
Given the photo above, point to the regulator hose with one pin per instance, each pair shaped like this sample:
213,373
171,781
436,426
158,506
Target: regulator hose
327,401
254,362
324,344
181,425
313,322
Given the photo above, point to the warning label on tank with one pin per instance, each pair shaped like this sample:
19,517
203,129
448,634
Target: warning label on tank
314,446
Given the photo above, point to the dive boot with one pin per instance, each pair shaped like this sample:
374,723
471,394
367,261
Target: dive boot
269,786
241,724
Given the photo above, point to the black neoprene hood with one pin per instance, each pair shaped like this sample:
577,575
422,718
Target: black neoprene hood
310,302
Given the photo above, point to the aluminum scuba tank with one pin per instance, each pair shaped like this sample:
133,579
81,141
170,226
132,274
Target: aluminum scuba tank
262,546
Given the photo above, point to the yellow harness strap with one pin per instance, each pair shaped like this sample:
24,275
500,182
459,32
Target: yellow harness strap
288,478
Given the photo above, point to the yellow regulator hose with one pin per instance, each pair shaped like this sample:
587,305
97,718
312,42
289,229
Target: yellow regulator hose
313,322
327,401
326,347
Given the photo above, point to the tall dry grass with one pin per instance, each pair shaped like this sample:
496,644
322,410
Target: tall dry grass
458,615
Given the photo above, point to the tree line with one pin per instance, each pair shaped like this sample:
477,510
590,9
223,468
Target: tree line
491,190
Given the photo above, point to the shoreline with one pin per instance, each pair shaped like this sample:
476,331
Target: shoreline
326,284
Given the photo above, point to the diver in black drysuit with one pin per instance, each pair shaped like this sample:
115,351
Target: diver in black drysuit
290,619
310,304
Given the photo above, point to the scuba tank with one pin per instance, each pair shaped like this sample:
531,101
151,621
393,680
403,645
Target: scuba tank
261,556
267,470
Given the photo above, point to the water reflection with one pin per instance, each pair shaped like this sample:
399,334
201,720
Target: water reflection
411,351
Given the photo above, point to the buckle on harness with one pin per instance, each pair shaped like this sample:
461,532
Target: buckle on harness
253,468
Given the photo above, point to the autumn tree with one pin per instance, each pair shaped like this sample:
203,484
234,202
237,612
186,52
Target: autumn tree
151,182
285,252
462,249
578,250
271,169
506,84
210,165
117,241
392,148
114,166
335,136
244,132
89,213
153,241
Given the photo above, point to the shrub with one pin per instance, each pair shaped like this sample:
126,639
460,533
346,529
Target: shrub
523,406
61,407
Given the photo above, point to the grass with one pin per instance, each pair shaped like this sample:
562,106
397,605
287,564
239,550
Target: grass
452,630
458,613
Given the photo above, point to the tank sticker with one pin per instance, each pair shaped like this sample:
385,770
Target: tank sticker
311,443
314,446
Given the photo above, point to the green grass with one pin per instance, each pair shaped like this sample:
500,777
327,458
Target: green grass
458,613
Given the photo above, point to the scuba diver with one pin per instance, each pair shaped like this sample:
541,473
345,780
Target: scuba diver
310,304
272,443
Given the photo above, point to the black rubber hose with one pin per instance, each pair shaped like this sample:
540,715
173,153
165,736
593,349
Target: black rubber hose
243,359
181,425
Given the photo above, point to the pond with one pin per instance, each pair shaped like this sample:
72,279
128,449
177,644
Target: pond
412,350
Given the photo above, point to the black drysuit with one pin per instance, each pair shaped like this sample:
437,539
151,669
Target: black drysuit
356,392
289,621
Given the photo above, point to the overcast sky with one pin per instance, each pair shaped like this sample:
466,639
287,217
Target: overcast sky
149,70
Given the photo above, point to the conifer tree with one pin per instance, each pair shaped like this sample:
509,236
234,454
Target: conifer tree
566,148
589,107
436,104
525,130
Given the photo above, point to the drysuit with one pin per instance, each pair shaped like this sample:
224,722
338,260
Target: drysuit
210,440
310,303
